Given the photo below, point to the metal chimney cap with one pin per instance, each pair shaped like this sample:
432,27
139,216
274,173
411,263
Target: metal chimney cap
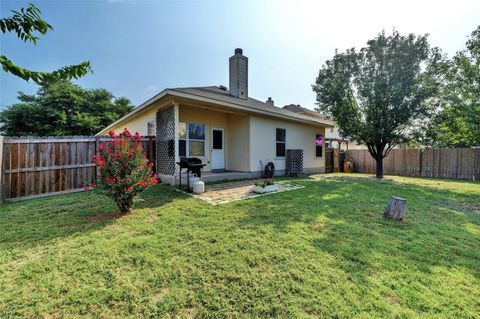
239,51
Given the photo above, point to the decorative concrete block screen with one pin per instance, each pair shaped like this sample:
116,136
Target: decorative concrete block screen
166,141
294,165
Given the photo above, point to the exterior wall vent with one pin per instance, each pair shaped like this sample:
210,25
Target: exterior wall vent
269,101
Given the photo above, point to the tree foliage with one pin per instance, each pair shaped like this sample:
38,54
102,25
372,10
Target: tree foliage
457,124
26,23
62,108
376,94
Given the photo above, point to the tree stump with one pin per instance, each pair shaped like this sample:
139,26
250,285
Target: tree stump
395,208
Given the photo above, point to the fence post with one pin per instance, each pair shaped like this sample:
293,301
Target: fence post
420,158
97,138
2,186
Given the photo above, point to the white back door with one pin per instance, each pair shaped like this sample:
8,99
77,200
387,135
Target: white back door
218,149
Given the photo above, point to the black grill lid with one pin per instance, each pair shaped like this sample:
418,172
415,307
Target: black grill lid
187,161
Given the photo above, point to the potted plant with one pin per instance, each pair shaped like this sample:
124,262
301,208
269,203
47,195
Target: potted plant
348,166
266,185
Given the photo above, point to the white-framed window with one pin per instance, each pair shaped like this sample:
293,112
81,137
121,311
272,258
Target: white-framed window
191,139
151,128
281,139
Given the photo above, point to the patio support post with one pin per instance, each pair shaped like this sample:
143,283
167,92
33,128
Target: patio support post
176,106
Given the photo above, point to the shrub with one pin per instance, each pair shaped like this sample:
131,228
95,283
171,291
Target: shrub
123,169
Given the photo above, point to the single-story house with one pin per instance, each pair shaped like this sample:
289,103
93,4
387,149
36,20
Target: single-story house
225,128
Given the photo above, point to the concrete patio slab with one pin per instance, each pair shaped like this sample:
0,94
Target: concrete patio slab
223,193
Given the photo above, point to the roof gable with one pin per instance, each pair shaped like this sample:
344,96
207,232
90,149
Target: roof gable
221,96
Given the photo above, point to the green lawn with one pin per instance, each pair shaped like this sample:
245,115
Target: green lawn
321,251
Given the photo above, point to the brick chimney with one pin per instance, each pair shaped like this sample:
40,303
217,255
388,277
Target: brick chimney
239,75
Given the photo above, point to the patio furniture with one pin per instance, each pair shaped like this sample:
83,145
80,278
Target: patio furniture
192,165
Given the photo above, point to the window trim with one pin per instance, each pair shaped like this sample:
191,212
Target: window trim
187,139
280,142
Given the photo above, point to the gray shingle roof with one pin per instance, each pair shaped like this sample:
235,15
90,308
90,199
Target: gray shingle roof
216,93
300,109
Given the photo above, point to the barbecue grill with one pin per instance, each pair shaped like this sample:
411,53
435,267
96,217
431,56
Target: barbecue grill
193,165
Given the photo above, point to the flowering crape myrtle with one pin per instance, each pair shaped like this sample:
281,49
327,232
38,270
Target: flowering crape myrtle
123,169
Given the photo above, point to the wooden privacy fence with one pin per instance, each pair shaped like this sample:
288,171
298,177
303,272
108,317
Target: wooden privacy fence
37,167
457,163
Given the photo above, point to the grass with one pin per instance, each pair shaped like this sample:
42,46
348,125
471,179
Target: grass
321,251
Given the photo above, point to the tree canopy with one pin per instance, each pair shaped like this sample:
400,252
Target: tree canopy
27,24
376,94
457,123
62,108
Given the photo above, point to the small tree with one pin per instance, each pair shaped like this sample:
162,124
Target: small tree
124,171
376,95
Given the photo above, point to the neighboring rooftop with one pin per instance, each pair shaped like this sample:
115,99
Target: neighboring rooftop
300,109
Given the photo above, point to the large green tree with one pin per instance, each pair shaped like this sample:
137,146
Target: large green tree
376,94
457,124
28,24
62,108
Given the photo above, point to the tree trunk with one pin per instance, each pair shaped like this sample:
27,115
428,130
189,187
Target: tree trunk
379,161
395,208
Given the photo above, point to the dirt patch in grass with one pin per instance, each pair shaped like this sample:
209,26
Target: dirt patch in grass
159,295
105,216
152,218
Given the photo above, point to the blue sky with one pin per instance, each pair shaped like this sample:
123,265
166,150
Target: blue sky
138,48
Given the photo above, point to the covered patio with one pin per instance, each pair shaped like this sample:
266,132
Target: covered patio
218,137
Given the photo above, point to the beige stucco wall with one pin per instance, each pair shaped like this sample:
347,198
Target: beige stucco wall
211,119
249,139
136,123
239,143
301,136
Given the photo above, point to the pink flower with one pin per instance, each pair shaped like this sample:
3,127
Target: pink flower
126,133
111,133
